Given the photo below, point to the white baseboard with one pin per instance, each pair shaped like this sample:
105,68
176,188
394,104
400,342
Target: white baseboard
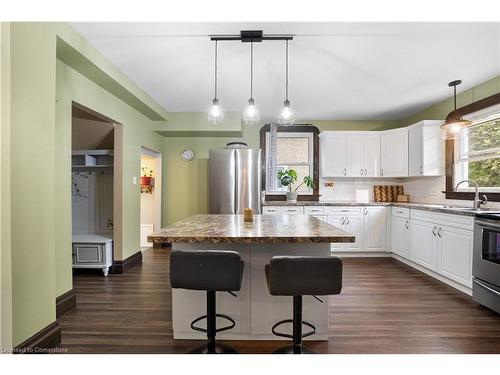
361,254
435,275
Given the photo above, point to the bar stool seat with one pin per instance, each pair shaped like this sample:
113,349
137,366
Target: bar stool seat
299,276
212,271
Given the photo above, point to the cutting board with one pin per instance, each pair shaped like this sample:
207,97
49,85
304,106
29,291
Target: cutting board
387,193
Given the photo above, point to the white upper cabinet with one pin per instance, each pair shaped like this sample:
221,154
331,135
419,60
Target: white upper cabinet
350,154
334,154
371,155
394,153
426,149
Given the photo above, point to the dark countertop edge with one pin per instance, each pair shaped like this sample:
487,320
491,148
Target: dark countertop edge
418,206
251,240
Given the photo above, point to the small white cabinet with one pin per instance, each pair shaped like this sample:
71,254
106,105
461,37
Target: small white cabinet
334,154
455,254
425,149
374,227
93,251
400,232
423,244
394,153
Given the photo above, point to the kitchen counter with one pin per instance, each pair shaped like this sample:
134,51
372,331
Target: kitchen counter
264,229
455,210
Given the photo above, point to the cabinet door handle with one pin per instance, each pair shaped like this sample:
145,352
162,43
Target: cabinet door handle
342,221
366,171
421,169
439,233
434,231
382,172
406,225
361,171
366,211
345,171
348,221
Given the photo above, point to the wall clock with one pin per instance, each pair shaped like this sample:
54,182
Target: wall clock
187,154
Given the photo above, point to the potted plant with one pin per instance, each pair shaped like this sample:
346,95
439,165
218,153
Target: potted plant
288,178
147,182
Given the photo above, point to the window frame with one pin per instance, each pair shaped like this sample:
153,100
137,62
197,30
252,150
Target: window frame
310,164
302,128
465,194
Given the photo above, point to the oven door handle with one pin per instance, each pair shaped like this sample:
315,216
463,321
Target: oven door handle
486,287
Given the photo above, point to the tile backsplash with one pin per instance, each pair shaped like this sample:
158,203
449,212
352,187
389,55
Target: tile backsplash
420,189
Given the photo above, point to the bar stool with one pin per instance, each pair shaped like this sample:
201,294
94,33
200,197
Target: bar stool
299,276
212,271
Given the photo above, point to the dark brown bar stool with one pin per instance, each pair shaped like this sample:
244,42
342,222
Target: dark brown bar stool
299,276
212,271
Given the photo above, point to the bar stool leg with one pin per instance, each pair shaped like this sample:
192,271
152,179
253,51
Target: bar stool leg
211,322
297,324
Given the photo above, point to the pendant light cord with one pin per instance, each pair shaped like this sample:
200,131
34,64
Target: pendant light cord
216,68
251,70
286,69
455,96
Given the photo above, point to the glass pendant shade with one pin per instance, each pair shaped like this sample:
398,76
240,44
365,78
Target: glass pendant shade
216,114
251,114
454,122
287,115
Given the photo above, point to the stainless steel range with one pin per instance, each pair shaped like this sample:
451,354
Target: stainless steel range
486,261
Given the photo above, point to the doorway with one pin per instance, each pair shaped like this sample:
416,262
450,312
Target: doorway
151,174
92,195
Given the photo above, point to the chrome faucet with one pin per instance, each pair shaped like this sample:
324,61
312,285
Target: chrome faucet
477,202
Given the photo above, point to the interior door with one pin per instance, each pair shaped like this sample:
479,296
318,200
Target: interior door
374,228
423,244
335,155
355,150
371,155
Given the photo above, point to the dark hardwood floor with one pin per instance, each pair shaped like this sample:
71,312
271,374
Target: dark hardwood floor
385,307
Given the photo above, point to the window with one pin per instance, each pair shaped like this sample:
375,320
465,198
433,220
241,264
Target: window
296,147
477,152
293,151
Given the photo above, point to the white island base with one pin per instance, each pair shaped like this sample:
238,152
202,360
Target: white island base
254,310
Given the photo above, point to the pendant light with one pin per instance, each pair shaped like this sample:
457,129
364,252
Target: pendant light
251,114
287,116
454,122
215,115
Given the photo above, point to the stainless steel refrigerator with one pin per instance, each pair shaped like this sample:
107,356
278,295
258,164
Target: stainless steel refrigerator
234,178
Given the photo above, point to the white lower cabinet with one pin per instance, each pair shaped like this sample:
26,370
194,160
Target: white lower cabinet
400,232
374,228
455,254
423,244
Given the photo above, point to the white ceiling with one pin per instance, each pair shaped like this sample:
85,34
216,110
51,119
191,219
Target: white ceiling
344,71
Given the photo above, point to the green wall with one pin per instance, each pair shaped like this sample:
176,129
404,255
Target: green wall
40,159
440,110
5,219
137,131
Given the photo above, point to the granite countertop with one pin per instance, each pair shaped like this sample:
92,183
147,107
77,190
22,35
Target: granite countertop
264,229
456,210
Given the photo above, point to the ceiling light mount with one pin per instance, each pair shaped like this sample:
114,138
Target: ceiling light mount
247,36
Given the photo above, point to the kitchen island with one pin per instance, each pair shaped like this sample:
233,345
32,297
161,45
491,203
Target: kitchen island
254,309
